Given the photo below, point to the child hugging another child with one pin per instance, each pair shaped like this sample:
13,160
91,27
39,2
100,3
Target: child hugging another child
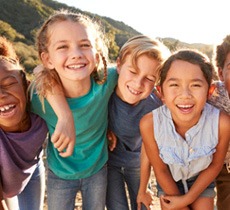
73,52
186,139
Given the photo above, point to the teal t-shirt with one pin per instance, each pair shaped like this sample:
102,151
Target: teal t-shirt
91,119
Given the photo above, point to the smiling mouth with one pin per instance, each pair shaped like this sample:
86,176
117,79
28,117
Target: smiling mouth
133,91
185,108
74,67
6,110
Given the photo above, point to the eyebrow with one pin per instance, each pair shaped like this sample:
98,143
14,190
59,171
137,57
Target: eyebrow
176,79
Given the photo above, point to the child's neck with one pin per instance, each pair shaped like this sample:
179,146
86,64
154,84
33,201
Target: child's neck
182,128
74,89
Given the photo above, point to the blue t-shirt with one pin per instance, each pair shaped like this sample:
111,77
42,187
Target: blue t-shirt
124,121
90,114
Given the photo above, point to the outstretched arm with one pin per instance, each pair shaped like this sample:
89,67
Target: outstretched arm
161,170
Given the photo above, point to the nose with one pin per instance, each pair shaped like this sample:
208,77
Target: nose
185,93
138,81
76,53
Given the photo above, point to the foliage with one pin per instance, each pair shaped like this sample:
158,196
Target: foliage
20,20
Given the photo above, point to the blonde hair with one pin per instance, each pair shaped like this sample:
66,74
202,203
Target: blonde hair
47,78
143,45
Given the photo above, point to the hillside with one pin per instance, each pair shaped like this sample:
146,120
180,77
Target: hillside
20,20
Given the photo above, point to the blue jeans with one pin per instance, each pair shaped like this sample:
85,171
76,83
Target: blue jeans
208,192
32,197
116,197
61,193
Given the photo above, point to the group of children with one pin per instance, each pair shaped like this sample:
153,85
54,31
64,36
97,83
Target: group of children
85,104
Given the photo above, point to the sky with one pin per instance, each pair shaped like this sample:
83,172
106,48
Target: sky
191,21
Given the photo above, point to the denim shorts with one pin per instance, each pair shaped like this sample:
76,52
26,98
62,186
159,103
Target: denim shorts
208,192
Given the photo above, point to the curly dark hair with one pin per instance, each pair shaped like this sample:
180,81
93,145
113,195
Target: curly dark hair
222,51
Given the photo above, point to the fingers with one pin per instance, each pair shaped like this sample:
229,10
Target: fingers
112,140
69,150
63,144
138,206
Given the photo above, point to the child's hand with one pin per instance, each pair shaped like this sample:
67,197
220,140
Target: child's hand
145,198
112,140
64,137
174,202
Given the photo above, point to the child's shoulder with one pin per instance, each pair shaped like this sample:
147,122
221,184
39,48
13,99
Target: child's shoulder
220,98
112,74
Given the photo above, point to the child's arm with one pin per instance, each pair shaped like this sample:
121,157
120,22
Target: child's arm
49,86
210,173
64,135
2,203
144,194
162,173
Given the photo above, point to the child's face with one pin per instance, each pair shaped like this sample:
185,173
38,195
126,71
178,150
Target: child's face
12,98
185,92
135,85
224,73
71,51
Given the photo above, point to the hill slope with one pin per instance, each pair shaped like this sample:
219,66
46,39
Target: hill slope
20,20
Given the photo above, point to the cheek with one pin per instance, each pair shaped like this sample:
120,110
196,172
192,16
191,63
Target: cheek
227,86
149,88
21,95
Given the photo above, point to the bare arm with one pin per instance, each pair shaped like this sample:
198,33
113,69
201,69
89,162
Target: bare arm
161,170
64,135
144,194
2,203
210,173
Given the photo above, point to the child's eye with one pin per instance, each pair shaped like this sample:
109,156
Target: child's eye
86,45
173,85
151,79
8,83
132,71
196,85
62,47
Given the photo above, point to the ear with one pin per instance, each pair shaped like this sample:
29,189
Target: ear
220,73
160,93
46,60
211,90
118,65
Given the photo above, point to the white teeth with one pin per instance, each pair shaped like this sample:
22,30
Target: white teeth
134,91
6,107
184,106
76,66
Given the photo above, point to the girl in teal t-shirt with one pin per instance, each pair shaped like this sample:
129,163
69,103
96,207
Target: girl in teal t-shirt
72,50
